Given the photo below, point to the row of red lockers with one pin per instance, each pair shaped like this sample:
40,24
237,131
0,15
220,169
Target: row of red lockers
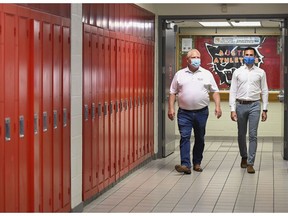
118,106
34,111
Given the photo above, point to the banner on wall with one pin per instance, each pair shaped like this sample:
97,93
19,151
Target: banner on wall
227,55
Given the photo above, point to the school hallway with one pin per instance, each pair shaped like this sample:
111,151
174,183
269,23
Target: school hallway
223,186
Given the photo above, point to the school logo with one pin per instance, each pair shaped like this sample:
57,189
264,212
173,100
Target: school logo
225,59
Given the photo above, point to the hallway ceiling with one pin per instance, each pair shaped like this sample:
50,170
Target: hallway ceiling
195,23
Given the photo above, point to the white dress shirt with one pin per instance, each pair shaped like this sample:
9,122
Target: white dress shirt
193,88
248,85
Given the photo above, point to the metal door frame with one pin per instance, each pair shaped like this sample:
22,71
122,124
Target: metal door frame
161,67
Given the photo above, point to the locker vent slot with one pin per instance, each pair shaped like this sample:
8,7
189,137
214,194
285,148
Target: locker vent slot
21,126
54,119
7,129
45,123
116,106
64,117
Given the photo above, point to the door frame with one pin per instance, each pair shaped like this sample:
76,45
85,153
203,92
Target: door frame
161,68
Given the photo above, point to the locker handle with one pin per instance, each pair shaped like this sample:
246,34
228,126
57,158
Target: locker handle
35,123
131,103
7,129
21,126
121,105
54,119
64,117
99,109
116,106
111,107
86,112
105,108
125,104
45,122
93,111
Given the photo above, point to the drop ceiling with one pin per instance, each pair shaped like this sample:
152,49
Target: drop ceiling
196,23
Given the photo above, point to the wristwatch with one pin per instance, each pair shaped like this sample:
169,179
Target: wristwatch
265,111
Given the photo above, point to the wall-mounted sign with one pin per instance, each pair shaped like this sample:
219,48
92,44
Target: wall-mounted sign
237,40
186,44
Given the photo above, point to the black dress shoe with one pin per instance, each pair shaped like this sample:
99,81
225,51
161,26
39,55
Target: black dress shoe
183,169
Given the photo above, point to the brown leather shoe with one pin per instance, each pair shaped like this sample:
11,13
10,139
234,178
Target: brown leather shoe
183,169
250,169
243,163
197,168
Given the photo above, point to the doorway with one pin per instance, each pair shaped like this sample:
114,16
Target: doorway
183,24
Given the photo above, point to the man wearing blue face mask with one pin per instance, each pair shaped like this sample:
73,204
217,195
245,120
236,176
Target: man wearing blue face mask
247,85
192,84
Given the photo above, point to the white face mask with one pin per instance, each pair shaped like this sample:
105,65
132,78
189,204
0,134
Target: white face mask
195,62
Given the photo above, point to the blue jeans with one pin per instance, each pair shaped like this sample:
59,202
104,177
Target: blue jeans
248,113
187,120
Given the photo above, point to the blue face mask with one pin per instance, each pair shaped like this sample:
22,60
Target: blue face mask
195,62
249,59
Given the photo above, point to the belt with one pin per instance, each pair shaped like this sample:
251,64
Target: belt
198,110
245,102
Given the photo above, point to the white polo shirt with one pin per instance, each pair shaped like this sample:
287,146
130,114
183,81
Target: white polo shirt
193,88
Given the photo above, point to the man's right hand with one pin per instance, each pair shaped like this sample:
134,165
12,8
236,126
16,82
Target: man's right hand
233,116
171,114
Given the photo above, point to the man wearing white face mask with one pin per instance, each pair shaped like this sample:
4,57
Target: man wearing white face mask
192,84
247,84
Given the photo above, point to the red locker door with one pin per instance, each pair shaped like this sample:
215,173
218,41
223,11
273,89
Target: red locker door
141,95
66,119
117,111
135,101
2,186
100,110
130,107
47,116
112,107
106,94
86,112
36,133
25,188
11,167
123,128
95,99
145,83
57,110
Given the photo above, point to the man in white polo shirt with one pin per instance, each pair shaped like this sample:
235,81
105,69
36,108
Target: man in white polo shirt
192,85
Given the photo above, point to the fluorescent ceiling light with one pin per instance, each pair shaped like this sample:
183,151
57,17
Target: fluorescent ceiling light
215,24
246,24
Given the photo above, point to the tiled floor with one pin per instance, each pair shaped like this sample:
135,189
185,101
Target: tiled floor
222,186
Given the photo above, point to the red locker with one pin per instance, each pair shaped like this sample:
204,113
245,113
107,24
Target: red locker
112,112
57,110
99,15
36,132
11,148
100,110
2,159
25,177
117,18
66,121
135,101
141,96
47,116
95,100
117,106
87,156
145,92
106,99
